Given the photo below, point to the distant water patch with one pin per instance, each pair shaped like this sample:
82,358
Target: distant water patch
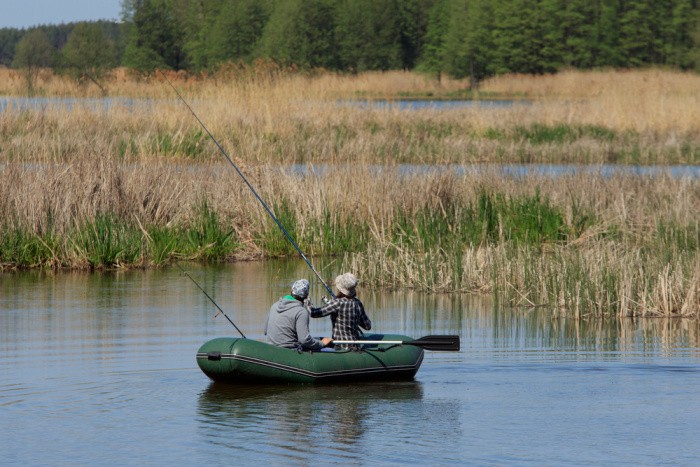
105,104
95,104
438,104
518,170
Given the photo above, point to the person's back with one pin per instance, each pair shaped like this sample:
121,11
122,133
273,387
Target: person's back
350,316
346,311
288,321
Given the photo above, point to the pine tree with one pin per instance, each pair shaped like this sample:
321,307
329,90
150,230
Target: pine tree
521,44
301,32
434,55
469,42
637,40
608,34
413,23
571,32
9,37
684,20
237,28
368,35
156,39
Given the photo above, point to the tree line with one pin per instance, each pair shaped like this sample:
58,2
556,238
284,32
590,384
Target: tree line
461,38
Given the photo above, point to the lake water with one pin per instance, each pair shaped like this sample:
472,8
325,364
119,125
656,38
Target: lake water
100,369
105,104
438,104
517,170
94,104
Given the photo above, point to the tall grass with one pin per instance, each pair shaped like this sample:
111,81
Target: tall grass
641,117
586,244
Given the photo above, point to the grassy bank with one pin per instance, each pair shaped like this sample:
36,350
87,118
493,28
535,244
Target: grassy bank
141,186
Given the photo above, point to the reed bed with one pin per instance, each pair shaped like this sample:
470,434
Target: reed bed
586,244
141,184
302,120
334,135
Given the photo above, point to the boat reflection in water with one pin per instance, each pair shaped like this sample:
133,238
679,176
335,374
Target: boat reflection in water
291,420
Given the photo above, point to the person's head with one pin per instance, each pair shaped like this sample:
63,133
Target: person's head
300,289
346,283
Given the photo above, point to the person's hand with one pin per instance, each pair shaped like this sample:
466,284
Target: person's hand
326,340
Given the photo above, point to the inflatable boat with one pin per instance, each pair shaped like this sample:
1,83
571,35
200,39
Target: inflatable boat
384,357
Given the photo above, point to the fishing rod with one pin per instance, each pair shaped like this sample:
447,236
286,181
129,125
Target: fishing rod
211,299
269,211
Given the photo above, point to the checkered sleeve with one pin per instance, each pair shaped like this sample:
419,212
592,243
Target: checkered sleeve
331,309
363,319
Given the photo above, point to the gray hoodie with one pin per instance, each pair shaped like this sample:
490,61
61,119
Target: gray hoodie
288,325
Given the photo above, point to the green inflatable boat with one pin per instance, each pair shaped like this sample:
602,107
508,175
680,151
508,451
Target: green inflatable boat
241,360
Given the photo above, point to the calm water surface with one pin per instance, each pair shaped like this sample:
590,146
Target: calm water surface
100,369
105,104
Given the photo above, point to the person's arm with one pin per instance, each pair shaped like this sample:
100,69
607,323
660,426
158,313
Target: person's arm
330,309
365,322
267,321
304,335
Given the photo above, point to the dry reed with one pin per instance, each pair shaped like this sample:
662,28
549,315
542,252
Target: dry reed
617,265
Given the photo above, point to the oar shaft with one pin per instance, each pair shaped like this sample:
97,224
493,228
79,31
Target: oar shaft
371,342
435,342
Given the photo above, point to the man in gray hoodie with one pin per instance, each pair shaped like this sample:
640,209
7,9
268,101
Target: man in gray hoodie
288,322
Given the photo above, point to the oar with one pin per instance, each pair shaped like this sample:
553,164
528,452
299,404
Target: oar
439,343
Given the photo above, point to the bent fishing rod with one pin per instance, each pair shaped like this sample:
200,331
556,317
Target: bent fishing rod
211,299
269,211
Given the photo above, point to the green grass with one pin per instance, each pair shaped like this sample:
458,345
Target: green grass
538,134
331,235
190,144
272,241
493,218
162,245
106,241
24,249
206,238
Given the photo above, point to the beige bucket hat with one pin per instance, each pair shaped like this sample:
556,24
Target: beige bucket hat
346,283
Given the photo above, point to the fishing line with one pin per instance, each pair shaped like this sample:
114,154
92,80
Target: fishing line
269,211
211,299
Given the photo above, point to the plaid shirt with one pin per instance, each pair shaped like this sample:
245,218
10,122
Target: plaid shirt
347,316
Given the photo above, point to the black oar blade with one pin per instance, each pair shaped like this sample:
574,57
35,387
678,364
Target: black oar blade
437,343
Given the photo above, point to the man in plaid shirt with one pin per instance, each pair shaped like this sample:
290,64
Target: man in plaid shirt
346,311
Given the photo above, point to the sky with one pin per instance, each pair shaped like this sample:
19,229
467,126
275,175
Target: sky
27,13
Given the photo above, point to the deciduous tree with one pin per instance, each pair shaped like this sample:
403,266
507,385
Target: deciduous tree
88,55
33,52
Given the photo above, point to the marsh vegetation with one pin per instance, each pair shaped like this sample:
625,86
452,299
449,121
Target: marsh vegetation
133,187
